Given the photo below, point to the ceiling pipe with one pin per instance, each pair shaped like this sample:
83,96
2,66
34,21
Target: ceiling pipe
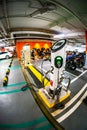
3,29
6,13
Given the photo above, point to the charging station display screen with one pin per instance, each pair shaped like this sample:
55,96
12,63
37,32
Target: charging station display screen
58,62
58,45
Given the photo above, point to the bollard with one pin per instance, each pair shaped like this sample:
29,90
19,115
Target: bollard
7,71
5,81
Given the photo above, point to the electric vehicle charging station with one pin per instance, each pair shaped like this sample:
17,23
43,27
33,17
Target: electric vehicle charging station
56,92
26,54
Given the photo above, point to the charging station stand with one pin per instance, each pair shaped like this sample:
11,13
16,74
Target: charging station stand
26,54
58,60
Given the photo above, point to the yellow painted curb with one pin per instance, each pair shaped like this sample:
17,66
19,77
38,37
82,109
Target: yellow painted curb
52,104
39,75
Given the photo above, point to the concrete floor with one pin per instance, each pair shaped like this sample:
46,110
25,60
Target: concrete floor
74,115
18,109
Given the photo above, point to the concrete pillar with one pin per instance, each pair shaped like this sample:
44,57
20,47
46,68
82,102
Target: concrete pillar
85,67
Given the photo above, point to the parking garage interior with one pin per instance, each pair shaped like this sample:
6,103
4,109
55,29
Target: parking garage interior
43,65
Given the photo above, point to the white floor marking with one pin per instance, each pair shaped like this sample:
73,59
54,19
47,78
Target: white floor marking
67,114
70,74
70,102
79,70
78,76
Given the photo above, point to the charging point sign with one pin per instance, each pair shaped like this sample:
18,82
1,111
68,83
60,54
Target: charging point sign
58,62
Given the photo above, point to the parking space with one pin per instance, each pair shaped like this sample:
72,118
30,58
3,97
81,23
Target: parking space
69,116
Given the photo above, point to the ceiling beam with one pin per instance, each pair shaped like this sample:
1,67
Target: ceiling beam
35,29
68,10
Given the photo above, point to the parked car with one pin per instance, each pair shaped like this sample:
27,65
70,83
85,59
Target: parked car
5,55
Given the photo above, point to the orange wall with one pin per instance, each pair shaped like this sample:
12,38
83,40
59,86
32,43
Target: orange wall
33,44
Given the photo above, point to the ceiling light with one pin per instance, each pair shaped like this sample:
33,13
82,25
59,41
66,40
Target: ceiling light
69,35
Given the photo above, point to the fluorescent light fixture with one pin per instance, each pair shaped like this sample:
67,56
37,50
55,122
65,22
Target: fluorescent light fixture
69,35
